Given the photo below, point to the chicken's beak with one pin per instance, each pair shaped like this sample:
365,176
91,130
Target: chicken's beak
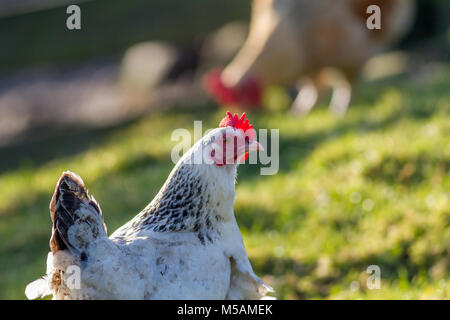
255,146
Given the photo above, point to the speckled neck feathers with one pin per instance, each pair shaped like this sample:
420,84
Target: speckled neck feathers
195,198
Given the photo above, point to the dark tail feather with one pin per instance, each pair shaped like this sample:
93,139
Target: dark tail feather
71,206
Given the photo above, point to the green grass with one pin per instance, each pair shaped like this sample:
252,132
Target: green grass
369,189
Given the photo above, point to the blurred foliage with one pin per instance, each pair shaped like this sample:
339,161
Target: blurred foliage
41,38
432,18
372,188
108,28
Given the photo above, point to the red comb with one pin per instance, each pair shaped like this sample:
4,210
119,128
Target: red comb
237,123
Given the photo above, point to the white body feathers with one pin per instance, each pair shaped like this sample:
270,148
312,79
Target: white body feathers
185,245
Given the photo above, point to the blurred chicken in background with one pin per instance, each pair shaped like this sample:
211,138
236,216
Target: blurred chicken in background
309,44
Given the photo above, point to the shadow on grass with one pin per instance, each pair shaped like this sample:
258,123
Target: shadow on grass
36,147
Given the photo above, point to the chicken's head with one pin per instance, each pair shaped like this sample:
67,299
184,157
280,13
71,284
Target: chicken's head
248,93
232,141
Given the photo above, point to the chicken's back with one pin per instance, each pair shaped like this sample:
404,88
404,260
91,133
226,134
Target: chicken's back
180,266
183,266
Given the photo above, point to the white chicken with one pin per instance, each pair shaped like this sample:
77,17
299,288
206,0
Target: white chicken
185,244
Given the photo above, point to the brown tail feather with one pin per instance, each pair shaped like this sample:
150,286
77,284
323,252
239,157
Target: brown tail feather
71,194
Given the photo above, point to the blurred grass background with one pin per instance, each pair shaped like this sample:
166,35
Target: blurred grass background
372,188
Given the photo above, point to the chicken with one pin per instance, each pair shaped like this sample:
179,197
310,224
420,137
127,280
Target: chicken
298,42
186,244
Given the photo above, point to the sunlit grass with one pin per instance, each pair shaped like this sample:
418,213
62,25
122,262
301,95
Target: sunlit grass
369,189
